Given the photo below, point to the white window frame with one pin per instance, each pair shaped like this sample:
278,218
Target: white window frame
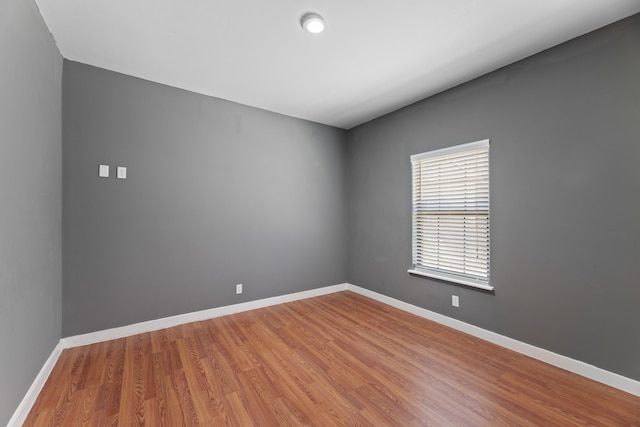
448,255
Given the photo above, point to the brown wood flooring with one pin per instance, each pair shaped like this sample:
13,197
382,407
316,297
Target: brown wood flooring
340,359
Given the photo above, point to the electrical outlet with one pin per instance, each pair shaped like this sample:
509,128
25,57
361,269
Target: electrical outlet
239,288
455,301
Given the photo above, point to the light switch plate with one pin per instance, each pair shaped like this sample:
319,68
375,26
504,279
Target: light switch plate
122,172
104,171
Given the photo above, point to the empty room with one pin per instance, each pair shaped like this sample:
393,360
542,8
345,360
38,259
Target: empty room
412,213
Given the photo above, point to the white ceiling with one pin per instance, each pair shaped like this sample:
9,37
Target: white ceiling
375,56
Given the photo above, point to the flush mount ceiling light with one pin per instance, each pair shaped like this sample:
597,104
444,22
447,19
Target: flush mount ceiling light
313,23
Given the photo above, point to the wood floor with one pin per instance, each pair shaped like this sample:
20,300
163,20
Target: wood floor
340,359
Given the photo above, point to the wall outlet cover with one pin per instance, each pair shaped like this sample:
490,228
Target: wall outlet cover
455,301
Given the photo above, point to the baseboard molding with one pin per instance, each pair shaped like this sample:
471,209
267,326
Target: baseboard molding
584,369
20,415
167,322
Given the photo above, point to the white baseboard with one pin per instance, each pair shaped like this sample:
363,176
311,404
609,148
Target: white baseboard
589,371
167,322
564,362
20,415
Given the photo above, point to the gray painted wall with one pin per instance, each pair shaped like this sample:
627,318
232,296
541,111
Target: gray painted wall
564,127
30,199
217,193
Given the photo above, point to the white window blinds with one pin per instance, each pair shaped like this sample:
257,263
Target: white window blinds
451,214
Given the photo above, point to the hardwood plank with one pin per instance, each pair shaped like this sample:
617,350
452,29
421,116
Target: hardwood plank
236,414
133,384
199,386
256,389
178,385
112,376
336,360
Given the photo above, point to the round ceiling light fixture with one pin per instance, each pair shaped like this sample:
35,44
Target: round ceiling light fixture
313,23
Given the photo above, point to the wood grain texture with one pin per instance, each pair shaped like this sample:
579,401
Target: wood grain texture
335,360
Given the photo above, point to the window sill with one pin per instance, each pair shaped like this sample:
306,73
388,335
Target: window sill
451,279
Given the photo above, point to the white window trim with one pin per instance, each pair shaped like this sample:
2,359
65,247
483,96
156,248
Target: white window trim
439,274
453,279
450,150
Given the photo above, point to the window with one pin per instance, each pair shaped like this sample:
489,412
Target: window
451,214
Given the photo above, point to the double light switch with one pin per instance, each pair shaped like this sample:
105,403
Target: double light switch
104,172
